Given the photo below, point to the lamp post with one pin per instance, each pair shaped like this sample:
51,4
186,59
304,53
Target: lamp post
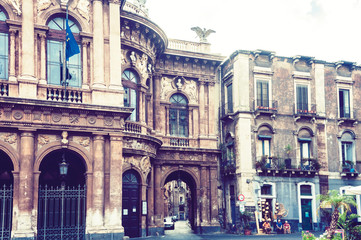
63,170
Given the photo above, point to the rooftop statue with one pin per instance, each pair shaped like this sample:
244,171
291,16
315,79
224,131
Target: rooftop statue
202,33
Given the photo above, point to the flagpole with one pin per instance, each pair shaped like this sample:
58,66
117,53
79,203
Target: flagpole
65,63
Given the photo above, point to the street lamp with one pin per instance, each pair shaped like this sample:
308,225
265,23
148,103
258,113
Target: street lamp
63,169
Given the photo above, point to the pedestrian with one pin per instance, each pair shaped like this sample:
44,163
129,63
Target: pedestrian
279,227
266,227
287,227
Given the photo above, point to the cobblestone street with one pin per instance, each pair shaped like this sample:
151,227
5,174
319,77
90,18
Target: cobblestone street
182,231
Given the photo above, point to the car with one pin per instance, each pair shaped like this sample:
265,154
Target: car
168,223
174,218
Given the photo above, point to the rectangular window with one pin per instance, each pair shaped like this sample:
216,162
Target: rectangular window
302,98
344,100
4,56
306,190
262,94
346,151
266,147
229,98
305,149
266,190
55,58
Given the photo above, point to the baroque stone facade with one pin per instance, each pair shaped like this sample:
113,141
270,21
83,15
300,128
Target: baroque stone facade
136,114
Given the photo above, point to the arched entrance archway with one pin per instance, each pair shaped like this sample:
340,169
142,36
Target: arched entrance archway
185,202
62,196
6,195
131,203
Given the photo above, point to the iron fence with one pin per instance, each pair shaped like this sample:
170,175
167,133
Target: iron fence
6,201
61,212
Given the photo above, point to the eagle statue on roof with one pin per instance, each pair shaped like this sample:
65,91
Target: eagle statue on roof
202,33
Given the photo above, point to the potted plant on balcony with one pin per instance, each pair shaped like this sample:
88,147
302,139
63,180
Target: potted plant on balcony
261,163
288,151
347,166
316,164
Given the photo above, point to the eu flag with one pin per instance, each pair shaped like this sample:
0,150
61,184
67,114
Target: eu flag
71,47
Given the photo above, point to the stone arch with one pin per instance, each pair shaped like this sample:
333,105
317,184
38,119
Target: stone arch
133,69
349,131
175,91
139,172
11,152
175,169
9,11
303,129
47,15
83,153
265,125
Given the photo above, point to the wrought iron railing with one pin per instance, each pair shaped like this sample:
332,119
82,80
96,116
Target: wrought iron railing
275,163
305,109
265,106
62,95
61,212
6,201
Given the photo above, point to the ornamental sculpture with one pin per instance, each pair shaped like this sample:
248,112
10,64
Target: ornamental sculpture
202,33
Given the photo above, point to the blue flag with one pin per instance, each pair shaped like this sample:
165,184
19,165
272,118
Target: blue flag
71,47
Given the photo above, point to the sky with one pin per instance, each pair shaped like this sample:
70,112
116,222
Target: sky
328,30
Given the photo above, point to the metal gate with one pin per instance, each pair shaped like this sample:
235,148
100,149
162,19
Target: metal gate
61,212
6,207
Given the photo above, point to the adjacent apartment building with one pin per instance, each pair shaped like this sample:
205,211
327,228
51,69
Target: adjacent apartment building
289,128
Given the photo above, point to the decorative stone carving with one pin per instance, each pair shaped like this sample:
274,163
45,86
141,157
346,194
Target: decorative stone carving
65,140
139,145
43,5
10,138
145,165
84,141
141,64
191,89
18,115
15,4
92,119
74,119
43,139
108,121
133,58
166,87
83,8
56,117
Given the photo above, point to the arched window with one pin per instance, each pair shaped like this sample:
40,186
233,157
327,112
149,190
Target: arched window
4,46
130,80
178,116
55,53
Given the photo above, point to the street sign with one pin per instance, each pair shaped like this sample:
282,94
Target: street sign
242,208
241,197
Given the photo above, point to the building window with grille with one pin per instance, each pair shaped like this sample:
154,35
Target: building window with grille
178,115
130,80
4,46
55,54
302,98
262,94
344,103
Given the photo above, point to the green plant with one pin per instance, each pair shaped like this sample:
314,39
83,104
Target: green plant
288,150
306,235
335,200
348,223
316,164
261,163
245,218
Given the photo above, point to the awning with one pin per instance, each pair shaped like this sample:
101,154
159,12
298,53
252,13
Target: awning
353,190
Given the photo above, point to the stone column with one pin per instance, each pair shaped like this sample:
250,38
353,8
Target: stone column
113,218
98,182
211,109
98,44
158,199
213,197
42,59
141,106
24,226
156,93
202,122
203,196
12,76
85,81
27,81
114,45
151,200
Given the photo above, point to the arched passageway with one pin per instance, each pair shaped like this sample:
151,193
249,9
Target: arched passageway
6,195
180,197
62,196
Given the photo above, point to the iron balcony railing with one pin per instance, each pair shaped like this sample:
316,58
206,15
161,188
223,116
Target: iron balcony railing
275,163
347,114
261,105
305,109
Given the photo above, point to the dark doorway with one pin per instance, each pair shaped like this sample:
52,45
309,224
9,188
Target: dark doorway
62,197
306,206
131,204
6,195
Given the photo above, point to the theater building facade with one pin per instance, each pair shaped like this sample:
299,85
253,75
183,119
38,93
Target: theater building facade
90,158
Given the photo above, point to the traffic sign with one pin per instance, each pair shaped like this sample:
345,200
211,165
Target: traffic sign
241,197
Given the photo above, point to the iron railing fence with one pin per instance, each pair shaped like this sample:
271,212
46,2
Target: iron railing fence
6,201
61,213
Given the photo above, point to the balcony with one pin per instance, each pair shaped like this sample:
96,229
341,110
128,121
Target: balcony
305,111
226,110
228,167
262,107
347,117
349,170
274,166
